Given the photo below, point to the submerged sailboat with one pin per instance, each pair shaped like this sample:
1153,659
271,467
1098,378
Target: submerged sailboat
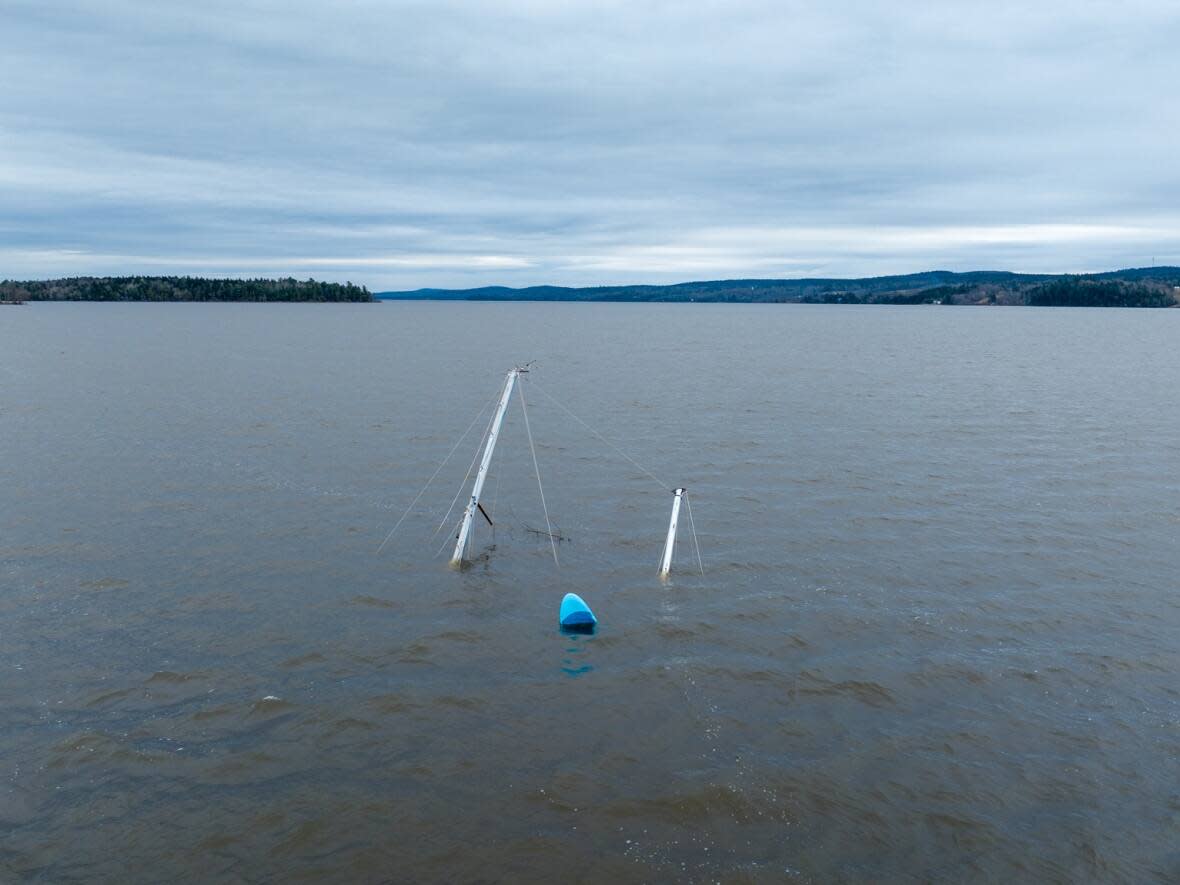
463,538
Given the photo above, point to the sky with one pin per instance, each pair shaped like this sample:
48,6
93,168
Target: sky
452,144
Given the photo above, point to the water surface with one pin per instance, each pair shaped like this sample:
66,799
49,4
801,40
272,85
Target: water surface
936,637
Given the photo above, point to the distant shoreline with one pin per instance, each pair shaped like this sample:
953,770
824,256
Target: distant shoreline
1155,287
183,290
1134,287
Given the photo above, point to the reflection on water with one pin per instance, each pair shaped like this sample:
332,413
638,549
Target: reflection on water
577,661
935,638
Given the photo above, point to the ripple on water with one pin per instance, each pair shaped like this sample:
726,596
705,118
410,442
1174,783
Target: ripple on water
170,677
392,703
109,697
270,705
303,660
416,653
375,602
693,808
216,712
815,684
105,584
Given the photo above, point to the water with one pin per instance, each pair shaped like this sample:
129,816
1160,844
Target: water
936,637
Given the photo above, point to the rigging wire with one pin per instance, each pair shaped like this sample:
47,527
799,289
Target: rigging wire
634,463
692,525
470,467
643,469
537,468
446,541
492,509
418,497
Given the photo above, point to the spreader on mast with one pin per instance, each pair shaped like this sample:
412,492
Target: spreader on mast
473,505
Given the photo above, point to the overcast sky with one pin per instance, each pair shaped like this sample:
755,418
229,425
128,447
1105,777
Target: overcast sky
441,143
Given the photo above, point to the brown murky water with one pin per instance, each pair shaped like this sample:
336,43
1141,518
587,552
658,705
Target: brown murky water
936,638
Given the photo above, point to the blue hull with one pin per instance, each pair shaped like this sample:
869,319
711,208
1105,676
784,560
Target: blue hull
575,614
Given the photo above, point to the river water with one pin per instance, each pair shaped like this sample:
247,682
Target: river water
936,637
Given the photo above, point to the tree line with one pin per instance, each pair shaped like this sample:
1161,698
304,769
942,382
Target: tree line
1065,291
179,289
1073,291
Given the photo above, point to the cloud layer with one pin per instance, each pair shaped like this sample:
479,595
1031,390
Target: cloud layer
450,144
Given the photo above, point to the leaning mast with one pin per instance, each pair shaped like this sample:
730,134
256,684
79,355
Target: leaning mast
473,505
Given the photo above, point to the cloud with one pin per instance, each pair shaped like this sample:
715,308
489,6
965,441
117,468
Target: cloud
447,143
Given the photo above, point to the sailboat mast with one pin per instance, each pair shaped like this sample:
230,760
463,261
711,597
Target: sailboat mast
473,504
670,543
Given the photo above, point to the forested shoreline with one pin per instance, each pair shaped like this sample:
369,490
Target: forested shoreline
141,288
1133,287
1143,287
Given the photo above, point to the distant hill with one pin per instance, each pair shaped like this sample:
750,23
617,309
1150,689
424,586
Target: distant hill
179,289
1136,287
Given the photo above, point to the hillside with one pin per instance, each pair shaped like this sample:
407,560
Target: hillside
1136,287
